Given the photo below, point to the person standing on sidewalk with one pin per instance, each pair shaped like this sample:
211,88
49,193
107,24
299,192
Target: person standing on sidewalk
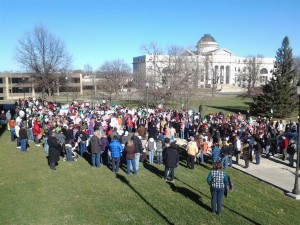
291,150
217,179
284,146
257,151
237,145
246,154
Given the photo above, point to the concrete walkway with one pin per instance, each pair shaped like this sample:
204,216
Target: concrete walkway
273,171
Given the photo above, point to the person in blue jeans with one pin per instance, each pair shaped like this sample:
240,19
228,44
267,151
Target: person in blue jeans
46,146
217,179
224,154
129,151
159,150
115,149
95,149
23,137
151,145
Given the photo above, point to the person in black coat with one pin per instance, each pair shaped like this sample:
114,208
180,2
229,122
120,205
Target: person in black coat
54,151
171,159
138,149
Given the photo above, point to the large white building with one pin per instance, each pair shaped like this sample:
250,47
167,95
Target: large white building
214,65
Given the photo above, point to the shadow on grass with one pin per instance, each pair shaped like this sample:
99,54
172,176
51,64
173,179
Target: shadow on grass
154,169
189,194
233,109
125,181
2,130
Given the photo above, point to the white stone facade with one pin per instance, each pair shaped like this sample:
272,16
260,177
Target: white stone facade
215,65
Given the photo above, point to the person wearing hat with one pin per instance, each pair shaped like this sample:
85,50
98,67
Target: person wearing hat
54,151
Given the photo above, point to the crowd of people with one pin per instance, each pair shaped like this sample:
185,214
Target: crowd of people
116,135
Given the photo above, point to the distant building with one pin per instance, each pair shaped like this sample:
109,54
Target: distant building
214,64
19,85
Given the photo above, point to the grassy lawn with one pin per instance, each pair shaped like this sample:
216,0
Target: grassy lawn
77,194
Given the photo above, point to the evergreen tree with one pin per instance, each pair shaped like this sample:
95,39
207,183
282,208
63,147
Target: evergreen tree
279,94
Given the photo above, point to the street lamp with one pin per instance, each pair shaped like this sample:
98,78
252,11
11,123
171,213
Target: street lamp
67,89
296,186
147,87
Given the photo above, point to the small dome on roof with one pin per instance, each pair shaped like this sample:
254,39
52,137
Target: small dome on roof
207,38
205,44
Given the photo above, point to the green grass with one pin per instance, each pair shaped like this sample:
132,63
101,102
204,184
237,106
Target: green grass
75,193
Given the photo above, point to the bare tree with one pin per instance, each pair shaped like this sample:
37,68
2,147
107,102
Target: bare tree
297,67
211,75
249,75
43,55
88,71
113,76
171,77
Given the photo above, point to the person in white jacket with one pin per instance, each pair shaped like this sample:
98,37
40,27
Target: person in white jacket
151,146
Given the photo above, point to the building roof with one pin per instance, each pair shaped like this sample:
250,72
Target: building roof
207,38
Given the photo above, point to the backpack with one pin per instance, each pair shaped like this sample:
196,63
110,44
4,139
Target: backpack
151,146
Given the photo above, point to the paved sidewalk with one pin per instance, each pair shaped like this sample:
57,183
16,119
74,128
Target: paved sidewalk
273,171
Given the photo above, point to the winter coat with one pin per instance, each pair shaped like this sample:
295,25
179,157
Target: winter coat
95,144
291,148
151,145
216,154
137,144
159,146
36,130
246,153
23,134
124,139
171,157
192,148
82,135
115,148
54,149
104,144
129,152
257,148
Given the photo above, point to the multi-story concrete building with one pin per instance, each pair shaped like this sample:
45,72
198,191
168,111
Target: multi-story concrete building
20,85
211,65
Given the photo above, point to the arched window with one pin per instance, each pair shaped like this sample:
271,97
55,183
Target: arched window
263,71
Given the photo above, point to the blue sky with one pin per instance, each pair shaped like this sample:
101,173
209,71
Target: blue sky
95,31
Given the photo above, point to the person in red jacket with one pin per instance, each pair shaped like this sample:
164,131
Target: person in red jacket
284,145
129,124
36,130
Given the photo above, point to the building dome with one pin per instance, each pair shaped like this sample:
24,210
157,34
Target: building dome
206,43
207,38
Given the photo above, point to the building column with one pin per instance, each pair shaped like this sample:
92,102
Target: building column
81,84
227,75
7,87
